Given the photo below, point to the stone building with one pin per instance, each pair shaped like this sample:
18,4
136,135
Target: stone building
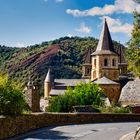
32,97
105,59
103,66
54,87
111,89
122,64
87,66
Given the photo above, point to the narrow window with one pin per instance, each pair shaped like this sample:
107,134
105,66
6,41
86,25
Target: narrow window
105,62
95,62
113,62
88,71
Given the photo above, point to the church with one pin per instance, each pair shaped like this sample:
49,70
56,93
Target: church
105,66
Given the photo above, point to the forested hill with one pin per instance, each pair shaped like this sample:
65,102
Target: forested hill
64,56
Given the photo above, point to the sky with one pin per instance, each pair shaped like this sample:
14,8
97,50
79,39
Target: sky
29,22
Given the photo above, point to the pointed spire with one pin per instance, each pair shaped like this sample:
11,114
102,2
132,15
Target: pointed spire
105,44
121,54
87,57
48,77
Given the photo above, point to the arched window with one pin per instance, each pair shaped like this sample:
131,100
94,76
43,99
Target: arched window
105,62
114,62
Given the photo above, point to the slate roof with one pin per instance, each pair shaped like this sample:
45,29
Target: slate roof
55,92
61,85
105,44
48,76
105,81
130,93
69,82
121,53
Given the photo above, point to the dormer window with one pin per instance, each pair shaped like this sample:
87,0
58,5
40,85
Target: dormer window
105,62
114,62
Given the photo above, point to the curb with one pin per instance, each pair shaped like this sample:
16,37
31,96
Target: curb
128,136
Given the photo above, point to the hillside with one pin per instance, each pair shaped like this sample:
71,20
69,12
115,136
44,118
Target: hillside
64,56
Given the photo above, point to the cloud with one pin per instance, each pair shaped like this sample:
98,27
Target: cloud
69,35
83,28
117,26
20,45
120,6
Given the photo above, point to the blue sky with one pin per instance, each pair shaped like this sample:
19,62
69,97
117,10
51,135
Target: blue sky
28,22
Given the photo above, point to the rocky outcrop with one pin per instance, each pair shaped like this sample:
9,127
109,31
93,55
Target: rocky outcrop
131,93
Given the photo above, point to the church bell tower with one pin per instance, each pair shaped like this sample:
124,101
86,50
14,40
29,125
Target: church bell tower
105,59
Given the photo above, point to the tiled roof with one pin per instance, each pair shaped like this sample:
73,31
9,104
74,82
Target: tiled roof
106,81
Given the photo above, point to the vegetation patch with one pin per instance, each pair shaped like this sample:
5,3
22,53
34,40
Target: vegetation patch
114,109
82,94
11,97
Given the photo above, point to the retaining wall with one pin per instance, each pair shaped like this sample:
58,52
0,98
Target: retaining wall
12,126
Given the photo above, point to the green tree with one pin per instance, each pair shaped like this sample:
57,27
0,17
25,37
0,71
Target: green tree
11,97
138,1
133,52
82,94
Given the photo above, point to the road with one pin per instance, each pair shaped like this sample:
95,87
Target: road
102,131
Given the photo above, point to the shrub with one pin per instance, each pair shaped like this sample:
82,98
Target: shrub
114,109
11,97
82,94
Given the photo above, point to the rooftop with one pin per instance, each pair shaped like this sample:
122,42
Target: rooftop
105,44
69,82
106,81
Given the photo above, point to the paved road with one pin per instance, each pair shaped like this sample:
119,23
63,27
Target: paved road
103,131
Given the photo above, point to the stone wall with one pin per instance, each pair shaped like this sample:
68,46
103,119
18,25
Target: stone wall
32,98
112,92
99,70
12,126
